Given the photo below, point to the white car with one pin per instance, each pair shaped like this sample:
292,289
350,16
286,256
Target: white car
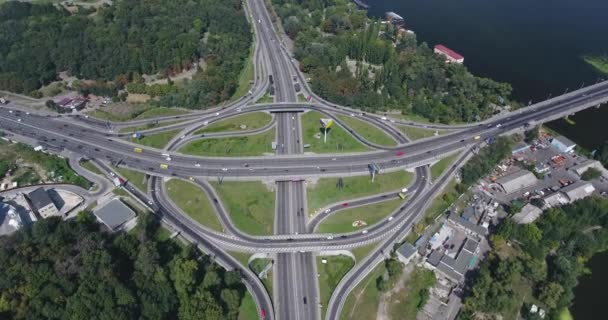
224,169
330,237
182,137
206,123
352,114
19,120
364,231
327,210
404,190
498,125
27,113
168,158
197,165
150,202
390,218
384,118
217,113
238,109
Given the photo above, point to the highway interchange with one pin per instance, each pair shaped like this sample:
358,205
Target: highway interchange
294,245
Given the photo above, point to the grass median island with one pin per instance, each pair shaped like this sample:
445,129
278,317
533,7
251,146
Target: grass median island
342,221
257,266
338,140
250,145
246,76
362,303
251,121
361,252
90,166
136,178
194,202
415,133
157,140
148,126
440,166
325,191
248,310
368,131
266,98
250,205
330,274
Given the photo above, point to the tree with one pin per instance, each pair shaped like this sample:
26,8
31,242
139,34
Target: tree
531,135
601,154
549,293
591,174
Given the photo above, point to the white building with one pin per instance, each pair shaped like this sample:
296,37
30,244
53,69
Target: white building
563,144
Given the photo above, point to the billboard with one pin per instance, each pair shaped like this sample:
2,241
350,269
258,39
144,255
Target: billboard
326,123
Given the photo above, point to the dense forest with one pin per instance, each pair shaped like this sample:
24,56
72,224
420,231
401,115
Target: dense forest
120,42
71,270
538,262
352,61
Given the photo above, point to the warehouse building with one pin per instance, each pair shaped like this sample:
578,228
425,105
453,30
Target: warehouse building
40,202
517,181
528,214
563,144
114,214
578,190
588,164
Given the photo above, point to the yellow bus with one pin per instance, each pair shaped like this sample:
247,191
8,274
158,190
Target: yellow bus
138,150
477,137
402,195
164,166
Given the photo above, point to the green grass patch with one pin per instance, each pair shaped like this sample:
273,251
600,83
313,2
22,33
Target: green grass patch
406,302
362,302
302,98
135,178
564,314
127,112
415,133
252,145
157,140
598,62
242,257
252,121
342,221
250,205
440,166
361,252
248,310
266,98
325,192
338,140
147,126
90,166
330,274
369,132
257,266
193,201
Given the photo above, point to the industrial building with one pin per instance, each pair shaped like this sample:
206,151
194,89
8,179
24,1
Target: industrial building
563,144
520,147
586,165
517,181
528,214
114,214
578,190
41,203
406,252
555,200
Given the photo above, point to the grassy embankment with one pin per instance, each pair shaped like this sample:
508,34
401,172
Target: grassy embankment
342,221
325,192
253,145
157,140
250,205
330,274
598,62
193,201
369,132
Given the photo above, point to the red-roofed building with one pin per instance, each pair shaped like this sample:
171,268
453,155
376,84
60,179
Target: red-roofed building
449,54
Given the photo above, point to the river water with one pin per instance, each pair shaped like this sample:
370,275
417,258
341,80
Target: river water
537,47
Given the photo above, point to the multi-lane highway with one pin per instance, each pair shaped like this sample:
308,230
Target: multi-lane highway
294,244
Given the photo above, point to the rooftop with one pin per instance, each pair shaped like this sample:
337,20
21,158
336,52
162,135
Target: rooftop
528,214
406,250
578,190
516,181
40,198
114,213
451,53
565,141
